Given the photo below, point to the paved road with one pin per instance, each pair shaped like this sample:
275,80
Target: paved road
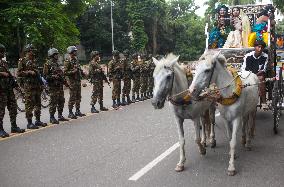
106,149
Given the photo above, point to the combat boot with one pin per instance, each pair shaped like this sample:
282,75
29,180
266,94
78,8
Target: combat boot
114,105
61,118
142,98
16,129
71,114
138,98
3,134
123,103
40,123
94,110
128,100
53,120
133,99
78,113
30,125
102,108
118,102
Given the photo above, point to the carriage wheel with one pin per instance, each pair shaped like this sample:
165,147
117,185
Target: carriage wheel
277,99
45,99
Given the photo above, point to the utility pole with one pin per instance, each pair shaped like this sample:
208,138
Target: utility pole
111,20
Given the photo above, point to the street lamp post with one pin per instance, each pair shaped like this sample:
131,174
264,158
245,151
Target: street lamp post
111,20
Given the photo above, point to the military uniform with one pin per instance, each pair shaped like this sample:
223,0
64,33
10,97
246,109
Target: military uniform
116,73
127,75
97,77
151,68
135,67
144,74
32,84
7,98
55,78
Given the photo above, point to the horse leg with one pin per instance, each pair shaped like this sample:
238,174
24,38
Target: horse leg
180,164
250,129
212,125
201,148
231,169
205,123
244,130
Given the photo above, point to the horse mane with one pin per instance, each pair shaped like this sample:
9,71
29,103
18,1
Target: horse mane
167,62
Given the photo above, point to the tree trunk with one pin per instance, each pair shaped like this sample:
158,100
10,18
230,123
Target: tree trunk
154,34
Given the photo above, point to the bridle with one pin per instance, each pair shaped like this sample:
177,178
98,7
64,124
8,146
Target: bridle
212,72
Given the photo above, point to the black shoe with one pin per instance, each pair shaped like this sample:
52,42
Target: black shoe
133,99
114,105
128,100
61,118
94,110
71,115
141,98
79,114
16,129
53,120
123,103
39,123
102,108
118,102
3,134
138,99
30,125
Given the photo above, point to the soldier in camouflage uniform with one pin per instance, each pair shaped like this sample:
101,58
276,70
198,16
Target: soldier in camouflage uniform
7,97
144,74
135,67
127,75
115,74
29,73
151,68
97,77
73,74
55,79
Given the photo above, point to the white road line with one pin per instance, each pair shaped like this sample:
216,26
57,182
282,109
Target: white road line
149,166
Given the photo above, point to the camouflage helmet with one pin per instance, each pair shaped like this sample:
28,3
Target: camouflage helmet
2,47
29,47
115,53
126,52
94,53
52,52
71,49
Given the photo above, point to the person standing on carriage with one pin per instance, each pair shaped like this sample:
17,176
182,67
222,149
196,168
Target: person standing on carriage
257,62
97,77
7,96
29,72
55,79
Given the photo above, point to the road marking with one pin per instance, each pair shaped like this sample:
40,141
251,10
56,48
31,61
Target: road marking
149,166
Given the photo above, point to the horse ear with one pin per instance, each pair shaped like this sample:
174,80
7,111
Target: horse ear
155,61
174,61
221,59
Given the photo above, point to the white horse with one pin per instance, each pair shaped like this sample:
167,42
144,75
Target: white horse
242,111
169,81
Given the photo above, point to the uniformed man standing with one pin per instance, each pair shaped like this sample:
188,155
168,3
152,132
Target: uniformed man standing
28,71
7,97
97,77
135,67
115,74
55,79
151,68
127,75
73,74
144,73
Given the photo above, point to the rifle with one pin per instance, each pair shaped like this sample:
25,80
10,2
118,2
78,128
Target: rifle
37,74
105,78
12,81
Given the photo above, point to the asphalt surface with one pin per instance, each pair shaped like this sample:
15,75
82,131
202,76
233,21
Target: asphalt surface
106,149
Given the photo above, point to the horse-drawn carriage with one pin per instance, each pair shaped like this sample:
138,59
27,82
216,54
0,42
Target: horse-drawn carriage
239,41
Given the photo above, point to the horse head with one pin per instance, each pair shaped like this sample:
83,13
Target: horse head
163,79
206,74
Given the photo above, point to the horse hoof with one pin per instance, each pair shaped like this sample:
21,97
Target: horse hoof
179,168
232,173
203,151
213,144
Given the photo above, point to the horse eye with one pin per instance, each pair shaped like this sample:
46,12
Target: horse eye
207,71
